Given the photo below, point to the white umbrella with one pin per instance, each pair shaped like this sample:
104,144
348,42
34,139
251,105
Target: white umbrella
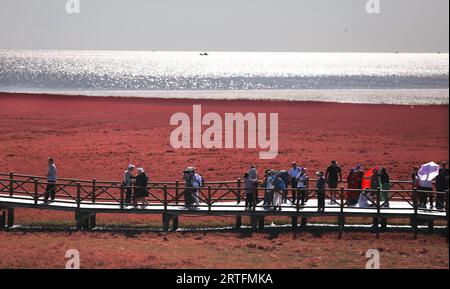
428,171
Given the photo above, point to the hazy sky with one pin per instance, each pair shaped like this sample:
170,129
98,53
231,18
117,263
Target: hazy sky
238,25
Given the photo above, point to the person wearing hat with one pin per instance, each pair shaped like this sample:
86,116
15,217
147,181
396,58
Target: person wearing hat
320,186
197,183
128,178
140,190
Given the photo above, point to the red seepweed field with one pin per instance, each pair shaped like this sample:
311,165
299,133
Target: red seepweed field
97,137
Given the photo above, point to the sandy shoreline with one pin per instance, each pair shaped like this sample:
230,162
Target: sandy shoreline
343,96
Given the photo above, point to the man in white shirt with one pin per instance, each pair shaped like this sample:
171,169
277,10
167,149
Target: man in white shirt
302,185
293,173
197,183
128,183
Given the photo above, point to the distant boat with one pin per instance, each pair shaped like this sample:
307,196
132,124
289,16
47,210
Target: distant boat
203,54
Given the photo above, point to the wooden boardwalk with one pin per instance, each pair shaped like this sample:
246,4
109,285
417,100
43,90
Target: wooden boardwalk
88,198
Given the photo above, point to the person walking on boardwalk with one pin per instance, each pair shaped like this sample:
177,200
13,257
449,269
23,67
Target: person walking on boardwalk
320,186
332,176
250,191
128,178
197,183
141,190
188,177
442,181
385,187
278,190
294,171
52,176
302,185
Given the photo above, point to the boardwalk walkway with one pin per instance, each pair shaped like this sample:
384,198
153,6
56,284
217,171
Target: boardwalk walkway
86,198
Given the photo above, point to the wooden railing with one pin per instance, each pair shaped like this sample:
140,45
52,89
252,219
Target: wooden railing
226,196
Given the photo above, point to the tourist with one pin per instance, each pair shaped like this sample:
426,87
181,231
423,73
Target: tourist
354,182
284,175
320,186
424,187
140,190
250,191
332,176
279,187
442,182
128,178
294,171
188,177
302,185
253,176
268,186
415,178
197,183
385,187
375,185
253,173
52,176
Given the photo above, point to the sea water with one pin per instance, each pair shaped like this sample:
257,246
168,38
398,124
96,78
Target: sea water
395,78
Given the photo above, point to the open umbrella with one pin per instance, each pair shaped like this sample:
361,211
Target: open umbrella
367,178
428,171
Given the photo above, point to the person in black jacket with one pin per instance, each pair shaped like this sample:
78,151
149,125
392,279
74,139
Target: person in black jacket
442,185
140,190
320,186
332,176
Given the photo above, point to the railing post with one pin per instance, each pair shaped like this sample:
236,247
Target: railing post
36,193
255,198
11,184
414,222
297,199
78,196
341,214
239,183
94,190
165,197
209,198
177,191
122,197
378,212
446,210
